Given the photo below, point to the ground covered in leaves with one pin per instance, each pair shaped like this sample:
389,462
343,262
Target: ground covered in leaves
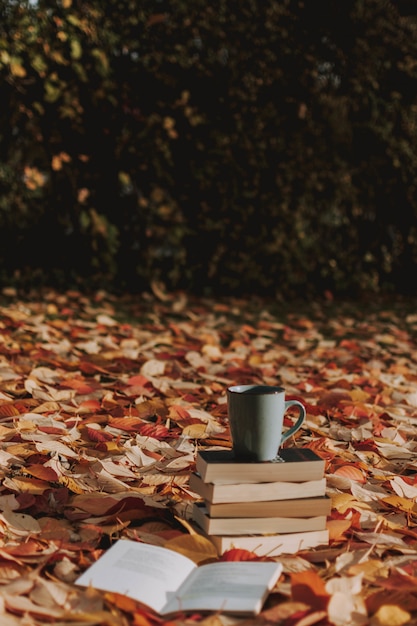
104,402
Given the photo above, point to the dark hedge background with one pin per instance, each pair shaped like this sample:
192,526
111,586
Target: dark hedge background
235,146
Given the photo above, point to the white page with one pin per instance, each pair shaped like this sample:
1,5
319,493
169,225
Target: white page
226,586
140,571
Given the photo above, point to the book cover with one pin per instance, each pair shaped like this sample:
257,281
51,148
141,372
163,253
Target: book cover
256,492
292,465
168,582
299,507
254,525
271,545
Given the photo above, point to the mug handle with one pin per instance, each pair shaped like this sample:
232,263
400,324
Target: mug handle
298,423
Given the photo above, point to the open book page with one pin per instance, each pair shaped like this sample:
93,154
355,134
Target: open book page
143,572
234,587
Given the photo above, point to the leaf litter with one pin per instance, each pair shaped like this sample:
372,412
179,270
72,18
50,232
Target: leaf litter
105,400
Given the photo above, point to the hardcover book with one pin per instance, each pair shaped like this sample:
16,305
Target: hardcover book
254,525
299,507
271,545
220,466
256,492
167,581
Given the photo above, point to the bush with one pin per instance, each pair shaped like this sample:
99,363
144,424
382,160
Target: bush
259,146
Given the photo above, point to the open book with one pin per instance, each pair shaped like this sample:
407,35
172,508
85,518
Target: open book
167,581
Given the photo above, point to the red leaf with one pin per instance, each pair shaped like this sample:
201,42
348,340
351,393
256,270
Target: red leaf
98,435
239,554
155,430
52,430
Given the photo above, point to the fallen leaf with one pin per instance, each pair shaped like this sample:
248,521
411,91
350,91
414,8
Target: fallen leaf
390,615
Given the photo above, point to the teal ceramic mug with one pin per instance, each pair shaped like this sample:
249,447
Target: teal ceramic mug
256,416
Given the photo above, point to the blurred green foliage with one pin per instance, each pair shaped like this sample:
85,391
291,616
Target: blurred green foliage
235,146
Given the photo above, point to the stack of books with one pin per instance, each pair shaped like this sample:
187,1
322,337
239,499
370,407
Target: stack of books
269,508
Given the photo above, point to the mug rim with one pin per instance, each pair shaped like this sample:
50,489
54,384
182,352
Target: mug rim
260,390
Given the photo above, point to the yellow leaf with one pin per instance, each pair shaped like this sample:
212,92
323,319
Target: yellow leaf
196,547
390,615
358,395
76,49
194,431
402,504
124,179
371,569
4,57
17,68
19,449
69,482
24,484
66,4
344,501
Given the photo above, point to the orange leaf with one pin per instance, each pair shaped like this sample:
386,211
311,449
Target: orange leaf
337,528
352,472
178,412
129,424
137,381
8,410
29,548
122,602
308,587
78,384
141,619
285,613
42,472
89,406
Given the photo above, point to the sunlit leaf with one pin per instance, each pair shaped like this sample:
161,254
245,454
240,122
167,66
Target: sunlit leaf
391,615
196,547
351,472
